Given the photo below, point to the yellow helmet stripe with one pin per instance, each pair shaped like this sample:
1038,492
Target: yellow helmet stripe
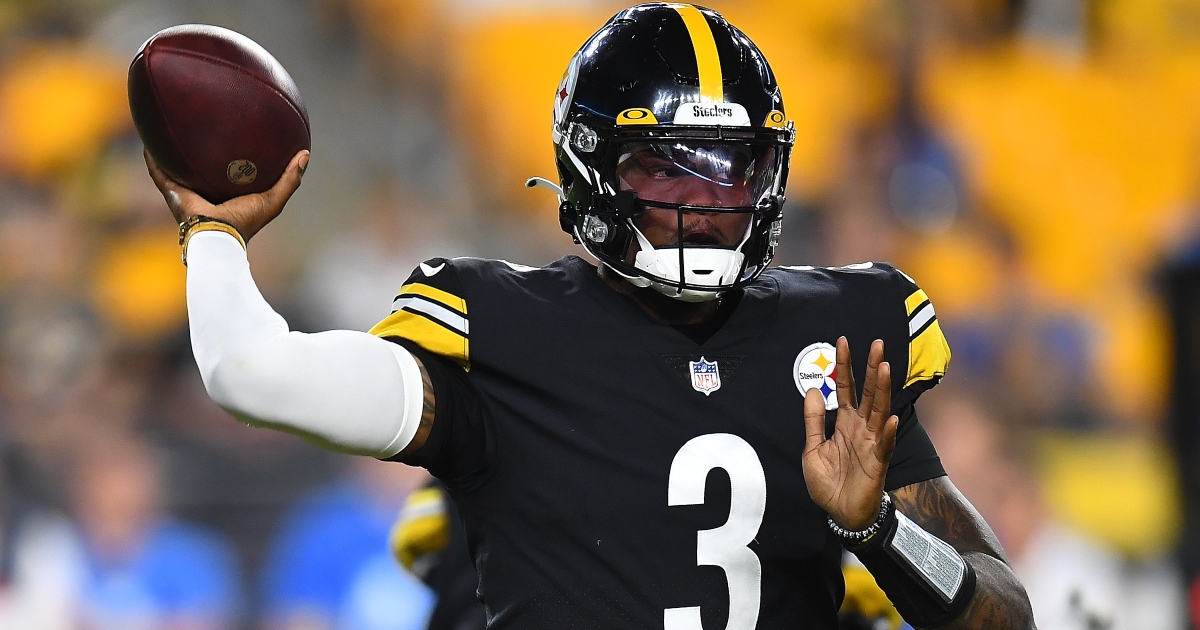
712,84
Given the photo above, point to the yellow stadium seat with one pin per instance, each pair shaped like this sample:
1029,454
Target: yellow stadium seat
139,284
58,105
1117,488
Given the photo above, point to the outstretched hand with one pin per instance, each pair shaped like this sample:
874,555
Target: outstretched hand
845,472
248,213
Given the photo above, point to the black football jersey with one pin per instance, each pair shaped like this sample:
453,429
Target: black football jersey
614,473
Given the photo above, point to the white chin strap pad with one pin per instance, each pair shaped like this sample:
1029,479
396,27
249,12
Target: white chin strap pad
702,266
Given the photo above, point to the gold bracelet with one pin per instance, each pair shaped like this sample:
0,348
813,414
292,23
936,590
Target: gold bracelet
201,223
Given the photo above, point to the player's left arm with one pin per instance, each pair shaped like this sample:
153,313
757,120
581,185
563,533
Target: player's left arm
999,601
935,505
924,544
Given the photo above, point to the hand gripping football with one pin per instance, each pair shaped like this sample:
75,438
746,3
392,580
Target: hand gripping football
217,112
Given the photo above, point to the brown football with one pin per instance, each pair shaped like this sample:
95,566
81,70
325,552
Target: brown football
217,112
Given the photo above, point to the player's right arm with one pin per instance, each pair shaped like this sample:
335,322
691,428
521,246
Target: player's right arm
345,390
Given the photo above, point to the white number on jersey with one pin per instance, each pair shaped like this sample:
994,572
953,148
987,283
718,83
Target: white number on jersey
725,546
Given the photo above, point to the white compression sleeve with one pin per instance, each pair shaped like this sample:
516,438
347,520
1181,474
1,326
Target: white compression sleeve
344,390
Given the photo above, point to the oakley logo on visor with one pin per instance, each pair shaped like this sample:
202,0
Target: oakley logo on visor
724,114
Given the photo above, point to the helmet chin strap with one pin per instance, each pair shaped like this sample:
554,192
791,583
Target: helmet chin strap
702,266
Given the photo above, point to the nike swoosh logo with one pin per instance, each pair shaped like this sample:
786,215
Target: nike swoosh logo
431,271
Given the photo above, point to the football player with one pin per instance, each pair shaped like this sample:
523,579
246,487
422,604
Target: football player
673,438
428,540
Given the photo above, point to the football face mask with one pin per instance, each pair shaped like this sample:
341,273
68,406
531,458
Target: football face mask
699,203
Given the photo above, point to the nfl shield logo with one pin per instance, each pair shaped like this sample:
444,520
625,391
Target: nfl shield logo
706,378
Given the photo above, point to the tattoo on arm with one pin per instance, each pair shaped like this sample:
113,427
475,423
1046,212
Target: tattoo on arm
940,509
427,412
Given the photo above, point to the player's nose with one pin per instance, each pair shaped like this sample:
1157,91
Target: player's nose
697,192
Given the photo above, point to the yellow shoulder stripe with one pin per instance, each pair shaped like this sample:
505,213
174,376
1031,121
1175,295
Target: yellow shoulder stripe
928,355
431,336
708,62
913,301
432,327
434,293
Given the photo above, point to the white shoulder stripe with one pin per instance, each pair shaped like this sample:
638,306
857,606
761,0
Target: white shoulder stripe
919,319
436,311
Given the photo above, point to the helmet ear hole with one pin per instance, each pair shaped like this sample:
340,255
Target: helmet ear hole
564,176
567,213
566,219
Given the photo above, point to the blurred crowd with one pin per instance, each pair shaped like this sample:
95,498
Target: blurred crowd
1031,163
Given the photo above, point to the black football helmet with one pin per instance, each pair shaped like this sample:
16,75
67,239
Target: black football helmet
667,93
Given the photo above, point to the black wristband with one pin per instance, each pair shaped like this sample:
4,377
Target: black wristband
925,578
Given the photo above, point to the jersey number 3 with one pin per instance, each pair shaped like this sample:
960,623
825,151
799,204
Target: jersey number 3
724,546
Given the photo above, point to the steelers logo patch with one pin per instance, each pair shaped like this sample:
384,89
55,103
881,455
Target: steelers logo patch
816,367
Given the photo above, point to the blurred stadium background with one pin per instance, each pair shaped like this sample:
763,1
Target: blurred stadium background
1034,164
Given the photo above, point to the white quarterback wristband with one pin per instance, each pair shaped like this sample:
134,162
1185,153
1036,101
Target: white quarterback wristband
931,558
929,582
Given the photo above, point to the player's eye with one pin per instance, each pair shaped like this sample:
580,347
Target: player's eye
667,172
659,168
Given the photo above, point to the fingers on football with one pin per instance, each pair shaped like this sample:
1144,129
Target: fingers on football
279,194
814,419
845,376
874,359
181,200
160,178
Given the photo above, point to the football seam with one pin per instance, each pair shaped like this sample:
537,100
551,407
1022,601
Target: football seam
220,61
167,122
